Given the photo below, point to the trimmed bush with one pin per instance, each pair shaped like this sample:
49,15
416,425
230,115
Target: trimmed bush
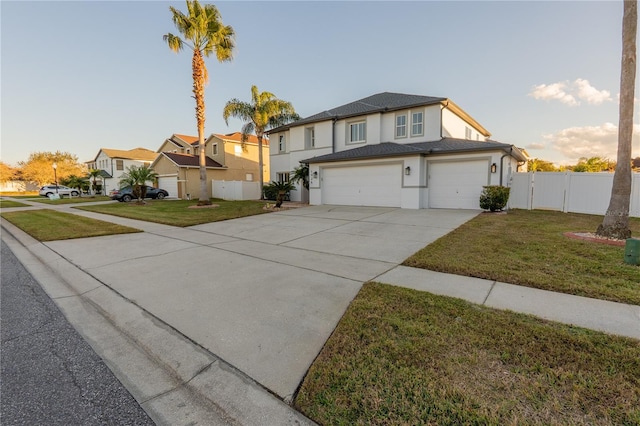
494,197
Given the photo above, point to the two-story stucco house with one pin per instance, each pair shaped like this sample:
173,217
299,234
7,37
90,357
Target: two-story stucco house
113,163
227,159
393,149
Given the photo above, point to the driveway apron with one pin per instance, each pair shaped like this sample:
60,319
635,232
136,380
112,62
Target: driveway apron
262,292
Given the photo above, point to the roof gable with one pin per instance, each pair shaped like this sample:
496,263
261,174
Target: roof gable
237,137
380,102
141,154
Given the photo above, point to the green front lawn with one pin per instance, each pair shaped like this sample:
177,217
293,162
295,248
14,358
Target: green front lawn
5,204
180,212
404,357
73,200
51,225
528,248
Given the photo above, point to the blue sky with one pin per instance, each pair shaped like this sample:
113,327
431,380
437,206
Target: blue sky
78,76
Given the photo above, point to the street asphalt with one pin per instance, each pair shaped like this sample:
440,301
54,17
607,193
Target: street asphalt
222,320
49,374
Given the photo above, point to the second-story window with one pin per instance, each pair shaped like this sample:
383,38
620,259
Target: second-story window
310,137
214,149
282,144
467,133
357,132
401,126
119,164
417,126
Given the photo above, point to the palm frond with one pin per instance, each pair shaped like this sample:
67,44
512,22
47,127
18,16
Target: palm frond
237,109
174,42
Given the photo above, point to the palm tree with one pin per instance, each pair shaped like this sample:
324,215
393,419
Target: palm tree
203,33
93,174
136,178
301,175
616,221
263,113
74,181
281,189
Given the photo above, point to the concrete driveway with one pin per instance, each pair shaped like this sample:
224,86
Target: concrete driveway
262,292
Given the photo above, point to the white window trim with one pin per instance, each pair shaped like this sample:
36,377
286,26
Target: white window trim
282,143
354,123
214,149
395,131
310,137
421,133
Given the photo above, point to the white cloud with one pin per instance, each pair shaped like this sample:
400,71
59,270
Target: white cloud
535,145
590,94
553,91
590,141
571,92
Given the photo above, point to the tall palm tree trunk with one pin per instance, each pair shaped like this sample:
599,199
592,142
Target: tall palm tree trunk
260,165
616,221
199,78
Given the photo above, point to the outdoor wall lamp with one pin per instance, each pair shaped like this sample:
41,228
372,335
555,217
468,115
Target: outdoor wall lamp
315,175
407,170
494,168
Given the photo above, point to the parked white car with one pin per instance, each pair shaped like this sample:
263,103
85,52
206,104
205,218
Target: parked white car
47,190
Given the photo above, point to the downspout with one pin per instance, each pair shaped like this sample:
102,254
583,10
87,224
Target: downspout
333,134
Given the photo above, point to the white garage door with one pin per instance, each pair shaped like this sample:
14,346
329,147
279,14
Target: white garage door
457,185
169,184
363,185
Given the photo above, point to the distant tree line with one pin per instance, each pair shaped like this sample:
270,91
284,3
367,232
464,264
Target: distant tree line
38,169
588,165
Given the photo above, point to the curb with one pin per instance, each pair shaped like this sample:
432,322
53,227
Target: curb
173,379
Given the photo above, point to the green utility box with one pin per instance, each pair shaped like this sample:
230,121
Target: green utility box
632,251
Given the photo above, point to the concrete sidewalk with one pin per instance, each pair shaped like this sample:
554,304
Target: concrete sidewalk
247,304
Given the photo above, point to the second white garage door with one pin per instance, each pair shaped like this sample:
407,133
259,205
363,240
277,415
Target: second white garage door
363,185
169,184
457,185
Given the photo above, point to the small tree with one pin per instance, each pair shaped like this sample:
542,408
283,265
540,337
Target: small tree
281,189
494,197
93,175
301,175
74,181
136,178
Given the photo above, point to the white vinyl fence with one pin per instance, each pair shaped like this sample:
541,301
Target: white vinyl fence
568,192
235,189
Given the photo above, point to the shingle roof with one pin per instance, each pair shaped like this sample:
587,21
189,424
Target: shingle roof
386,101
132,154
189,160
187,138
442,146
237,137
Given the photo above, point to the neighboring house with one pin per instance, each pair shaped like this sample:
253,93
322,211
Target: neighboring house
396,150
227,159
113,163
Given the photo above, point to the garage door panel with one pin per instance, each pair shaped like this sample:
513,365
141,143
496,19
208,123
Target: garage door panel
457,185
363,186
169,184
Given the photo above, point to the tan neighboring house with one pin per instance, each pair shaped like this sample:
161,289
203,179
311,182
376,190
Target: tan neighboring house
113,163
228,159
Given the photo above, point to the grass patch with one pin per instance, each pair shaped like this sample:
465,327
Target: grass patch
528,248
178,213
400,356
73,200
4,204
51,225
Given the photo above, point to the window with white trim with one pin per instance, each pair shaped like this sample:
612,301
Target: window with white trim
417,124
357,132
401,126
282,177
282,143
119,164
214,149
310,137
467,133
